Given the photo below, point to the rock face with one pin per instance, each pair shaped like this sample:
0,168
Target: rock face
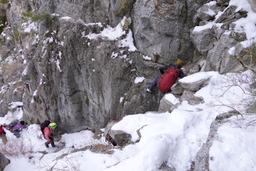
3,161
164,29
81,82
85,87
67,77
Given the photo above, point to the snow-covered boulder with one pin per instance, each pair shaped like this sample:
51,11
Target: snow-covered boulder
207,12
168,103
230,14
196,81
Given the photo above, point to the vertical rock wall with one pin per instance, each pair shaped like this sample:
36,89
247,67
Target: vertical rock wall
76,81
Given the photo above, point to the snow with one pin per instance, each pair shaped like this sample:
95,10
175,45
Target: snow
20,163
197,77
114,55
210,12
235,145
58,65
66,18
139,80
231,51
121,99
85,138
147,58
211,3
29,26
248,43
204,27
171,98
128,42
247,24
108,33
14,105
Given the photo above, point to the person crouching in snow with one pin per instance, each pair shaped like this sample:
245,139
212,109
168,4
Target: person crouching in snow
3,134
167,77
48,134
17,128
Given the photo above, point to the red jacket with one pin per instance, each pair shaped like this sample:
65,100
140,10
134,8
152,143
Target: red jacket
168,78
47,133
2,130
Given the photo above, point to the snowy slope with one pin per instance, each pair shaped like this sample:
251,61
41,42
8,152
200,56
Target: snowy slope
173,138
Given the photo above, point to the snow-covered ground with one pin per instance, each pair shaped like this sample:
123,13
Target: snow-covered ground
173,138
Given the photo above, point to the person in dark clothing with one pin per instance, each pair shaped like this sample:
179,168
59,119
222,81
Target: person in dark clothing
167,77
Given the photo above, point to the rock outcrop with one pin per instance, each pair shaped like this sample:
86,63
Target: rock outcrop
164,30
216,38
3,161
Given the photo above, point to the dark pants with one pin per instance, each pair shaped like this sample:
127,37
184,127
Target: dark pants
16,133
154,83
50,141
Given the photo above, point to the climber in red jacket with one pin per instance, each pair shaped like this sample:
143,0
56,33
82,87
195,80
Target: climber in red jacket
169,75
48,134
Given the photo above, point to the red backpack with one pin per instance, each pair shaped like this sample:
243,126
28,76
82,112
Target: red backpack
2,130
168,78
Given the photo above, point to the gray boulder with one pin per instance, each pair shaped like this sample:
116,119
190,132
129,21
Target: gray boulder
194,85
206,13
203,40
120,137
168,103
222,2
3,161
176,89
218,53
190,98
238,36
